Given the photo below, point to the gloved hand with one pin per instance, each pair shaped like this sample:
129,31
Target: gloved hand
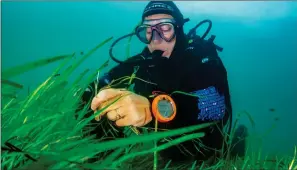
130,109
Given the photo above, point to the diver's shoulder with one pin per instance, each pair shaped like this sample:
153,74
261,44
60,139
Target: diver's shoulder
201,56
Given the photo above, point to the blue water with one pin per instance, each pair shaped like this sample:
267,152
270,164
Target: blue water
259,40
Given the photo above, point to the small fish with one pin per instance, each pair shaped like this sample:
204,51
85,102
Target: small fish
272,110
11,83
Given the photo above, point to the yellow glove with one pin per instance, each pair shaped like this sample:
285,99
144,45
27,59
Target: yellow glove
130,109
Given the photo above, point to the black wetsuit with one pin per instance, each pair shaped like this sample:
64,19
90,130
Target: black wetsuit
193,69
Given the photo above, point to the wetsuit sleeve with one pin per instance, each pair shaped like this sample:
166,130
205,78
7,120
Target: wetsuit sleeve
214,99
209,81
214,103
209,101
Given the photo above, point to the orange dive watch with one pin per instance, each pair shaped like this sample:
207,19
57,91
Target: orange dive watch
163,108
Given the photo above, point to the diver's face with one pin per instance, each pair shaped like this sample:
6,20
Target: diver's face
158,43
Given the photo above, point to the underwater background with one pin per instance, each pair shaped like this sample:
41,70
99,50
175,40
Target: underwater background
259,41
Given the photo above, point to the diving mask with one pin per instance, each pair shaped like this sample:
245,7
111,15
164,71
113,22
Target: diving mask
164,29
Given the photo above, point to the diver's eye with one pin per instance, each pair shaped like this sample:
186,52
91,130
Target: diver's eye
166,27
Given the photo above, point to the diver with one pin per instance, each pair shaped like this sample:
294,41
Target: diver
171,63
